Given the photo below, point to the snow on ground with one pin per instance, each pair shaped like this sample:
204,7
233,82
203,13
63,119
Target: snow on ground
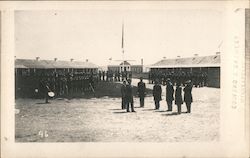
102,120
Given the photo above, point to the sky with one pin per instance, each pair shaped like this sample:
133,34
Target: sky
96,35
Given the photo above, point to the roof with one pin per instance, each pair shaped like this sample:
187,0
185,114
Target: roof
51,64
204,61
125,63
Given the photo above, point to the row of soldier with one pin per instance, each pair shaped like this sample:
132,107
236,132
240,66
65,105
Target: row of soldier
62,84
114,75
199,79
171,95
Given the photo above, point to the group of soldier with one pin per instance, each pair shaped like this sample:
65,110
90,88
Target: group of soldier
61,83
171,95
114,75
174,95
199,78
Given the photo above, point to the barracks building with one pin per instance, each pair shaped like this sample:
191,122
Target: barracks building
29,73
196,65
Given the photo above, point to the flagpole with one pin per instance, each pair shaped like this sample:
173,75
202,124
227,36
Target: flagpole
122,46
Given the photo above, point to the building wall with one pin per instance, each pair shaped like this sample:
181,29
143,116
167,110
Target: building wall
213,77
136,68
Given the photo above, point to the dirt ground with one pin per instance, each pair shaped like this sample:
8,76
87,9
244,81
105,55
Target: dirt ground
102,120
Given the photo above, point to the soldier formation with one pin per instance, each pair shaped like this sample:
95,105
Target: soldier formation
63,84
171,95
114,75
68,84
199,78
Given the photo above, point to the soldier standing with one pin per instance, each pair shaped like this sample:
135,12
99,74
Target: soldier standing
129,96
123,92
141,91
188,98
178,97
103,75
169,94
157,94
44,89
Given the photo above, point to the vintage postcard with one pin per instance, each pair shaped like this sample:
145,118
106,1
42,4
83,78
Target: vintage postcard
125,79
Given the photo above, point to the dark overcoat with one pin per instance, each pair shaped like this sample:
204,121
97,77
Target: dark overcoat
129,94
157,92
188,98
141,89
178,95
169,93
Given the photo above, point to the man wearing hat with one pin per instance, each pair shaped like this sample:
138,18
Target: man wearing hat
157,94
188,98
129,96
141,91
169,94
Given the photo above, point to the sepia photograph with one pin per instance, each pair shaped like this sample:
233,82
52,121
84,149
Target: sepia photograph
126,74
80,76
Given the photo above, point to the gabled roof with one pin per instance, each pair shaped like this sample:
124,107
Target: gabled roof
51,64
125,63
204,61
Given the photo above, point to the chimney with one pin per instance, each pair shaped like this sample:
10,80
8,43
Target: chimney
196,55
217,53
37,58
71,59
55,59
87,60
141,61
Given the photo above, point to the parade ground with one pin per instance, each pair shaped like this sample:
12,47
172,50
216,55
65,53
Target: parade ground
102,120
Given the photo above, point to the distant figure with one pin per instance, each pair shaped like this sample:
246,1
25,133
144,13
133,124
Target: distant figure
178,97
44,90
129,96
157,94
188,98
141,91
123,92
169,94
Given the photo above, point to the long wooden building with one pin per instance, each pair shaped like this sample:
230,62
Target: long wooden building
196,64
30,72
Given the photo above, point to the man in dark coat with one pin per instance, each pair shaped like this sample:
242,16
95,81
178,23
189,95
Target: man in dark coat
188,98
123,92
44,89
157,94
129,96
178,97
169,94
141,91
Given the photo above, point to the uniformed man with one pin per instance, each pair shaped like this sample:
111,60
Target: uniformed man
157,94
178,97
169,94
188,98
141,91
44,89
129,96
